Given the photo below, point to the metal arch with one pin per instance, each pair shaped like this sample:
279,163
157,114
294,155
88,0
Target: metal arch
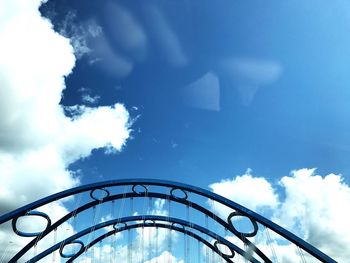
179,229
194,189
135,194
143,218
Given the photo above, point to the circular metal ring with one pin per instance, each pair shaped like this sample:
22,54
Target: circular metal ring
184,197
64,255
249,234
105,191
139,193
216,243
117,228
34,234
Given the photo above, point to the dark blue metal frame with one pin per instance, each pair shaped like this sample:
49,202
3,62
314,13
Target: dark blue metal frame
171,225
239,210
135,194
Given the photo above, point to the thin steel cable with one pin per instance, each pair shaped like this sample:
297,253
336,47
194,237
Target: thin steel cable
54,242
144,209
199,251
271,244
185,246
301,254
213,204
206,248
187,237
156,244
130,250
77,205
112,238
169,230
7,248
100,251
150,230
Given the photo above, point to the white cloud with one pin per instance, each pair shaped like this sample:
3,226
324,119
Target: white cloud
90,41
311,206
37,140
316,208
166,256
204,93
249,75
87,98
78,34
253,192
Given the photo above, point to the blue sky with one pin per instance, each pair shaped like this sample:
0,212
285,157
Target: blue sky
226,95
281,85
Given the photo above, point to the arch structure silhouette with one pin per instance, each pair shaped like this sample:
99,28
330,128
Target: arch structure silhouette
141,210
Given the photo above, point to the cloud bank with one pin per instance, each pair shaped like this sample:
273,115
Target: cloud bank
311,206
38,141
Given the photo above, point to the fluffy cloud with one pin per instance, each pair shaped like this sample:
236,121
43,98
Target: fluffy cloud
252,192
38,141
316,208
311,206
165,257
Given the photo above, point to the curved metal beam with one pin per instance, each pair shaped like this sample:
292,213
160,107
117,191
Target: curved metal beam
86,206
174,185
178,229
172,220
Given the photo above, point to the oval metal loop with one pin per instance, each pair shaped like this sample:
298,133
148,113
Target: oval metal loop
142,186
178,225
31,213
216,243
72,254
149,222
249,234
184,197
121,225
105,191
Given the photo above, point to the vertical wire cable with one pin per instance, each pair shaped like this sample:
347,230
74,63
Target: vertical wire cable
54,242
121,210
156,244
112,238
7,249
77,204
213,204
270,244
226,248
100,251
169,230
199,251
144,210
187,236
206,248
150,231
129,232
185,247
301,255
245,249
35,250
143,244
128,247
